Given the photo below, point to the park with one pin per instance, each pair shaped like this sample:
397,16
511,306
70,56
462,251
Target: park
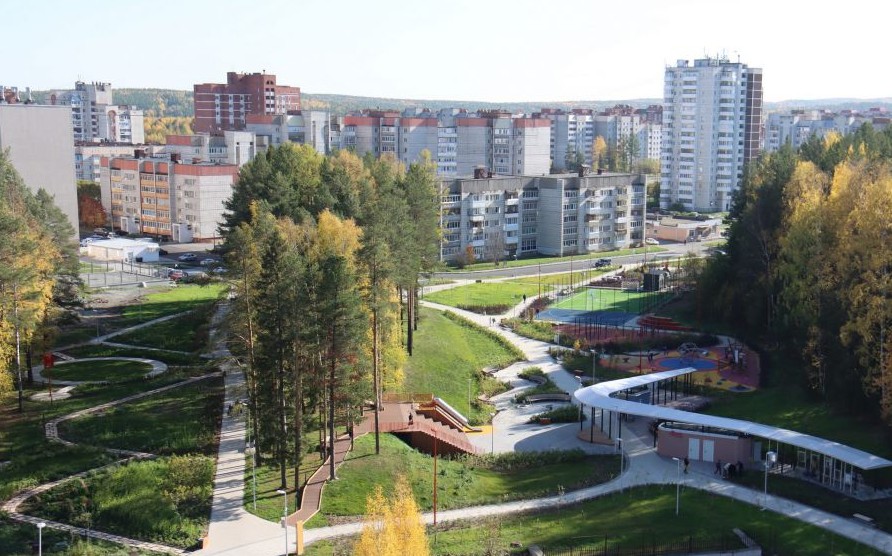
534,431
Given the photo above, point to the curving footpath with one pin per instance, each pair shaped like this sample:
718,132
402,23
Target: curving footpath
644,467
51,430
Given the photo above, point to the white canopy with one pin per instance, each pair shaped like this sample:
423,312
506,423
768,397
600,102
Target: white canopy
599,396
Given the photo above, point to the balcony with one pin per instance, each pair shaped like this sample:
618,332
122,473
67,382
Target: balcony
593,209
511,227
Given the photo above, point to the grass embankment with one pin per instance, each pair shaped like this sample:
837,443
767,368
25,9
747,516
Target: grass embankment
490,298
34,459
110,351
154,305
110,371
583,259
186,333
179,421
167,500
16,539
448,354
537,330
637,519
462,482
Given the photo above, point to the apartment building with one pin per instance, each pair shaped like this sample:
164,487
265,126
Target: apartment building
95,118
304,127
88,156
38,138
795,127
572,136
712,122
228,147
566,214
459,141
226,106
166,198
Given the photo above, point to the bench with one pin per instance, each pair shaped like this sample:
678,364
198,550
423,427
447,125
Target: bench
864,519
556,397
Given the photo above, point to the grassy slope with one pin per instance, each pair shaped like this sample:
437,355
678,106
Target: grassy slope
458,485
446,355
111,371
633,519
185,333
179,421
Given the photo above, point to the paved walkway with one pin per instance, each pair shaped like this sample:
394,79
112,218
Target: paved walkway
235,532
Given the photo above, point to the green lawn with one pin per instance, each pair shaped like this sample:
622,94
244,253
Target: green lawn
34,459
179,421
185,333
109,351
169,302
564,279
602,299
447,356
167,500
16,539
584,259
460,483
111,371
484,297
632,520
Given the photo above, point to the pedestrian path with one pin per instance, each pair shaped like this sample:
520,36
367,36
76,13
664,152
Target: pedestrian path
643,466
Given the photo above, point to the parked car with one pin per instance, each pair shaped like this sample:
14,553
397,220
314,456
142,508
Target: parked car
220,270
187,257
601,263
175,274
652,241
208,262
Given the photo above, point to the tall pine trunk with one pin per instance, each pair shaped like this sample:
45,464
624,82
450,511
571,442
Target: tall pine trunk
331,421
375,379
283,443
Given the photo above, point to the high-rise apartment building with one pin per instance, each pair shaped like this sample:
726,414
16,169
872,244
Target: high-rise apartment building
226,106
40,148
166,197
304,127
712,118
459,142
551,215
95,118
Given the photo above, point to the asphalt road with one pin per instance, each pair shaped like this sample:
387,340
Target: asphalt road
583,262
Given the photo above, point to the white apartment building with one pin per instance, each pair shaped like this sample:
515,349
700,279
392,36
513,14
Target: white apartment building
459,142
549,215
572,134
798,126
38,138
229,147
94,116
712,117
304,127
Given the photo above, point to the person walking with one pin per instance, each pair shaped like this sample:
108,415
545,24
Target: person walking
718,467
687,462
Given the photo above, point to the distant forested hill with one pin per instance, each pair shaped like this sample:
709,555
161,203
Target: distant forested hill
170,103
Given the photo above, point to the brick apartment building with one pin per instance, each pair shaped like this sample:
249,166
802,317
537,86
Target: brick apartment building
221,107
166,198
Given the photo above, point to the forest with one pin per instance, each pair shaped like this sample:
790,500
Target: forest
325,254
807,269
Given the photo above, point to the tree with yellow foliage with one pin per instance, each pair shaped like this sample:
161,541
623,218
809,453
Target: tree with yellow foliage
393,527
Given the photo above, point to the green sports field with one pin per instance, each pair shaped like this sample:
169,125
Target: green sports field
599,299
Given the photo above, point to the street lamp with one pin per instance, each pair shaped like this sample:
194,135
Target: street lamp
619,444
594,363
677,483
493,438
252,451
40,527
770,458
284,494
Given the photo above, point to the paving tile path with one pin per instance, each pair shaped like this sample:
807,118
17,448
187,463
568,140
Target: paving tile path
642,467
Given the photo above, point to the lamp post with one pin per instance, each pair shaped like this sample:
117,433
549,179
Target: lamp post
594,363
252,451
770,458
284,494
619,444
40,527
677,483
493,437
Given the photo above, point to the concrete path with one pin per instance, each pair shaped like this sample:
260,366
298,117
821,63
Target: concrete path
642,466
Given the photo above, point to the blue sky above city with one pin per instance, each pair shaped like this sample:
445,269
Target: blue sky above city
484,50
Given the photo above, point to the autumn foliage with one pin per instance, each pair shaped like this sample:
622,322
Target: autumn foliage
393,526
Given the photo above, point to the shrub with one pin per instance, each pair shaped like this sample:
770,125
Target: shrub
513,461
563,414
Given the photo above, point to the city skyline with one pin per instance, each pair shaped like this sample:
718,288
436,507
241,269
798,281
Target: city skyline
490,52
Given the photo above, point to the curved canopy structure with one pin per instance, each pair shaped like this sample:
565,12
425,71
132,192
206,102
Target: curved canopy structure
601,396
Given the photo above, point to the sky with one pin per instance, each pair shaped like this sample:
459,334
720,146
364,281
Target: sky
483,50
